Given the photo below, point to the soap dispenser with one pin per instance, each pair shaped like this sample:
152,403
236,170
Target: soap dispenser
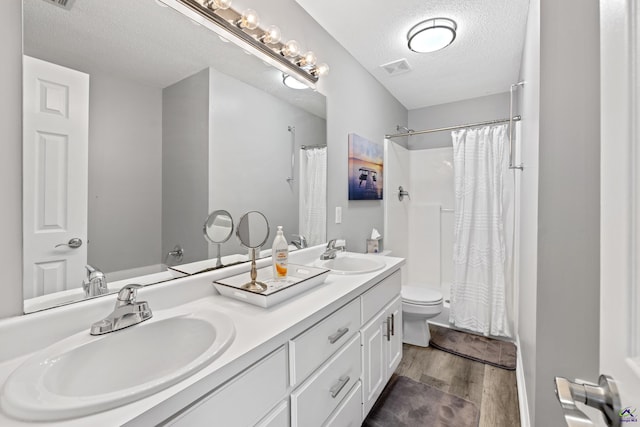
280,255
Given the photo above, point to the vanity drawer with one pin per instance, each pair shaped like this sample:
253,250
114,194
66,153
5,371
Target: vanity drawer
310,349
349,413
279,417
321,394
377,297
243,400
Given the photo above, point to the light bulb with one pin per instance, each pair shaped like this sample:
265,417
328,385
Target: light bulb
321,70
308,60
271,35
291,49
217,4
249,20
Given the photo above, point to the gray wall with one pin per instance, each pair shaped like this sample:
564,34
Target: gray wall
490,107
250,154
185,153
567,336
11,158
125,141
529,108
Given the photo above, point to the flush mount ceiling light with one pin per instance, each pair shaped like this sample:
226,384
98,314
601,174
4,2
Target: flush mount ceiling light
431,35
293,83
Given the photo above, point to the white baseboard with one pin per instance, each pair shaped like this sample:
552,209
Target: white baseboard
525,418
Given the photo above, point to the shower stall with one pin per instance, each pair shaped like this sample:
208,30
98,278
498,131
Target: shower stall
422,227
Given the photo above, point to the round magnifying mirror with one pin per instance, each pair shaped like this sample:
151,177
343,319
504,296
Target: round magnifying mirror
217,229
253,231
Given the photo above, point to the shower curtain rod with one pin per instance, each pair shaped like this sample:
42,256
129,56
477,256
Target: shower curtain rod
304,147
469,125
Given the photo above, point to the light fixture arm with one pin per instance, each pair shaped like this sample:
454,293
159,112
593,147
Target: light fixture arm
222,22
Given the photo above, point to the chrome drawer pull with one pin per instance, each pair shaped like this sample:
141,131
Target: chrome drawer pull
339,334
393,324
336,389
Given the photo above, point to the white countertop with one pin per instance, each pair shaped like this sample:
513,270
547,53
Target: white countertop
259,331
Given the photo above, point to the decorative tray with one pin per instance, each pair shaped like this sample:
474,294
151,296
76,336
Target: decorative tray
299,279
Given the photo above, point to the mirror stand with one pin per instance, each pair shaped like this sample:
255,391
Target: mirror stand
218,257
254,285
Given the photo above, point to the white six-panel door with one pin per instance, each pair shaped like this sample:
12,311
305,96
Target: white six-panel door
55,153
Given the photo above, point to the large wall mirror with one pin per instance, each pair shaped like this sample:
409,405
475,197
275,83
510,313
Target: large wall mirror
177,123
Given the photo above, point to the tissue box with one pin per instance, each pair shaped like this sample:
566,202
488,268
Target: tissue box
373,246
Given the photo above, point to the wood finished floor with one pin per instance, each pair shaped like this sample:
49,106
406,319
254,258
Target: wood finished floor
492,390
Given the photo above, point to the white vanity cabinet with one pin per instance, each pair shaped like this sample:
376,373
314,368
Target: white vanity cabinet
381,338
345,354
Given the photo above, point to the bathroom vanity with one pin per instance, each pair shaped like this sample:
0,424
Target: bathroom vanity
319,358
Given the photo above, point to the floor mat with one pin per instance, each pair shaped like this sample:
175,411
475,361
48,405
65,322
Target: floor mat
408,403
500,354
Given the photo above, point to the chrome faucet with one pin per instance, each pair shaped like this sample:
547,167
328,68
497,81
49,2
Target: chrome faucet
95,284
301,243
127,312
331,251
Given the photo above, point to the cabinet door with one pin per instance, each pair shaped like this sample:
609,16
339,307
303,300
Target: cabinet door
374,343
394,345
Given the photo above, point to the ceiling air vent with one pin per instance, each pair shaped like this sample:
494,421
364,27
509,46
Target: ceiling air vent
396,67
65,4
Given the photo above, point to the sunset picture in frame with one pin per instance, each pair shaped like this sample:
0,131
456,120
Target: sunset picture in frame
365,168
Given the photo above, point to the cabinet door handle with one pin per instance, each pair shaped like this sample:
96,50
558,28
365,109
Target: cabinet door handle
339,334
388,322
336,389
393,324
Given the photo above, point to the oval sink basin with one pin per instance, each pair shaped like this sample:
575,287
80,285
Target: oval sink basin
84,374
353,264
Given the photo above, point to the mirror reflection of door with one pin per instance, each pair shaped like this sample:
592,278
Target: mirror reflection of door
55,150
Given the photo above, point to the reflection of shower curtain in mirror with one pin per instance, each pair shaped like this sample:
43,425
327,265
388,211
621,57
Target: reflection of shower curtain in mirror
313,194
478,293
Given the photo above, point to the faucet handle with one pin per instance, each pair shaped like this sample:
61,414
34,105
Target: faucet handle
128,294
331,244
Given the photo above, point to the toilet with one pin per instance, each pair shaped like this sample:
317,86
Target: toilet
419,303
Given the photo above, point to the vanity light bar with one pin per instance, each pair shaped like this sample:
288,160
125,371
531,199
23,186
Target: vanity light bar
282,55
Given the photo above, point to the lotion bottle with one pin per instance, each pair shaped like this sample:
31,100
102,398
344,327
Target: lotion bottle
280,255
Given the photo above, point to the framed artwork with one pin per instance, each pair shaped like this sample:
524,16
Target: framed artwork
365,168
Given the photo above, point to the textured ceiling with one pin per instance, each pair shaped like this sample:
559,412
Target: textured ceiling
484,58
144,42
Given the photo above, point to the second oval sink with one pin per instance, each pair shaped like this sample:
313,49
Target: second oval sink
84,374
347,263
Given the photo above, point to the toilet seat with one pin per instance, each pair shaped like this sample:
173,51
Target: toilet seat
420,295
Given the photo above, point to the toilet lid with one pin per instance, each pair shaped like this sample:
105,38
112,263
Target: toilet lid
421,295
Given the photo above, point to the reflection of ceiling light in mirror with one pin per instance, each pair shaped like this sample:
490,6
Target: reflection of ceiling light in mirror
293,83
432,35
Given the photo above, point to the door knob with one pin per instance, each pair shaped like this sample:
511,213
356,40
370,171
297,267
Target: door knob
72,243
604,397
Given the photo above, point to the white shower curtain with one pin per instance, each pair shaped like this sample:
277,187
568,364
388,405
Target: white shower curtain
478,293
313,195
